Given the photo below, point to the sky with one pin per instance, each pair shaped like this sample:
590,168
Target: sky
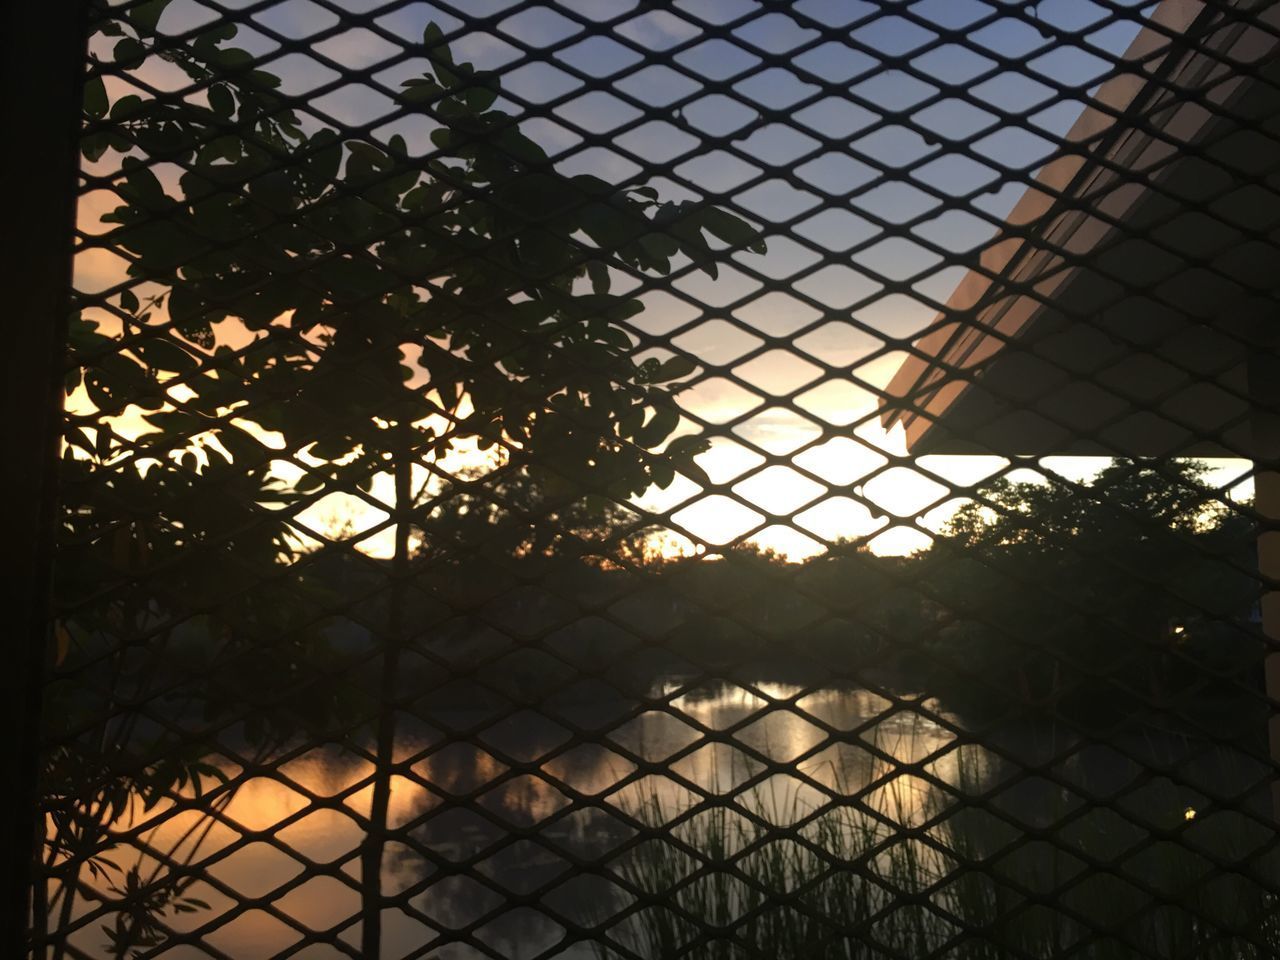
872,142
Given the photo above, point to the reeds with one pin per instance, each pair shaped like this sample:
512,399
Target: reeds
909,869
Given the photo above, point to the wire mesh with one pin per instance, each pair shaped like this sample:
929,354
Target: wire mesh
708,479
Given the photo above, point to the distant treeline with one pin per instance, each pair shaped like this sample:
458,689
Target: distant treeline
1133,595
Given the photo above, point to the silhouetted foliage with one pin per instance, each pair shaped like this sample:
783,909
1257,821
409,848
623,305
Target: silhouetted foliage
375,308
1128,595
312,314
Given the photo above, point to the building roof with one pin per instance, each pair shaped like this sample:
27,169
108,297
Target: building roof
1114,312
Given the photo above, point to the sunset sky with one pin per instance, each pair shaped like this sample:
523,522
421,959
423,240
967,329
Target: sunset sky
867,247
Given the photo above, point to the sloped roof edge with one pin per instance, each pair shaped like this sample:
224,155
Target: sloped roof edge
980,315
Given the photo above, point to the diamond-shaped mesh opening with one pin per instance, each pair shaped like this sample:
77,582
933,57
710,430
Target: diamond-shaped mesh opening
713,479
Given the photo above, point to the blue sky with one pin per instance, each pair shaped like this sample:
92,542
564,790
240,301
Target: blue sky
877,144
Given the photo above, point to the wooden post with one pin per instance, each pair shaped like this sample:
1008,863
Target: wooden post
1264,392
42,62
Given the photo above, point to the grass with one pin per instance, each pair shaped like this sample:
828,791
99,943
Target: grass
901,872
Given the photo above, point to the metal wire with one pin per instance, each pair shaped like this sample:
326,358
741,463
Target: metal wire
442,569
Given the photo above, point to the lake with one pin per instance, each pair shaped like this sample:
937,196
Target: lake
500,808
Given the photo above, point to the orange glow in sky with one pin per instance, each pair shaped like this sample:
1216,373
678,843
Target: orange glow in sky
789,475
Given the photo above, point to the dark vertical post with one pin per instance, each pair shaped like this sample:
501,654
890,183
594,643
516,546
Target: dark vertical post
1264,393
42,62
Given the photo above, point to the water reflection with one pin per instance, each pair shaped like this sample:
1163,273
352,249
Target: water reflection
502,834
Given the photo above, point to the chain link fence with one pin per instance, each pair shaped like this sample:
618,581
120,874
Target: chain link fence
709,479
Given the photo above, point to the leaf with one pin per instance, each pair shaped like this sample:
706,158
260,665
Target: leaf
186,308
172,423
657,250
232,58
599,275
675,368
682,450
221,101
662,473
481,98
326,155
217,32
146,15
274,190
95,98
144,188
268,81
438,52
129,301
659,427
163,354
420,90
93,147
241,444
127,107
79,437
732,229
517,146
129,53
365,159
688,445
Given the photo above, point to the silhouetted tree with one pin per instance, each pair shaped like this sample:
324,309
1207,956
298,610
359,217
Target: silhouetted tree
376,307
1130,590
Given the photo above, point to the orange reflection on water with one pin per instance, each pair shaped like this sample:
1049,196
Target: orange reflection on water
278,853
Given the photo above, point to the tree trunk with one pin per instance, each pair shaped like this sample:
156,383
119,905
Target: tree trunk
375,840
